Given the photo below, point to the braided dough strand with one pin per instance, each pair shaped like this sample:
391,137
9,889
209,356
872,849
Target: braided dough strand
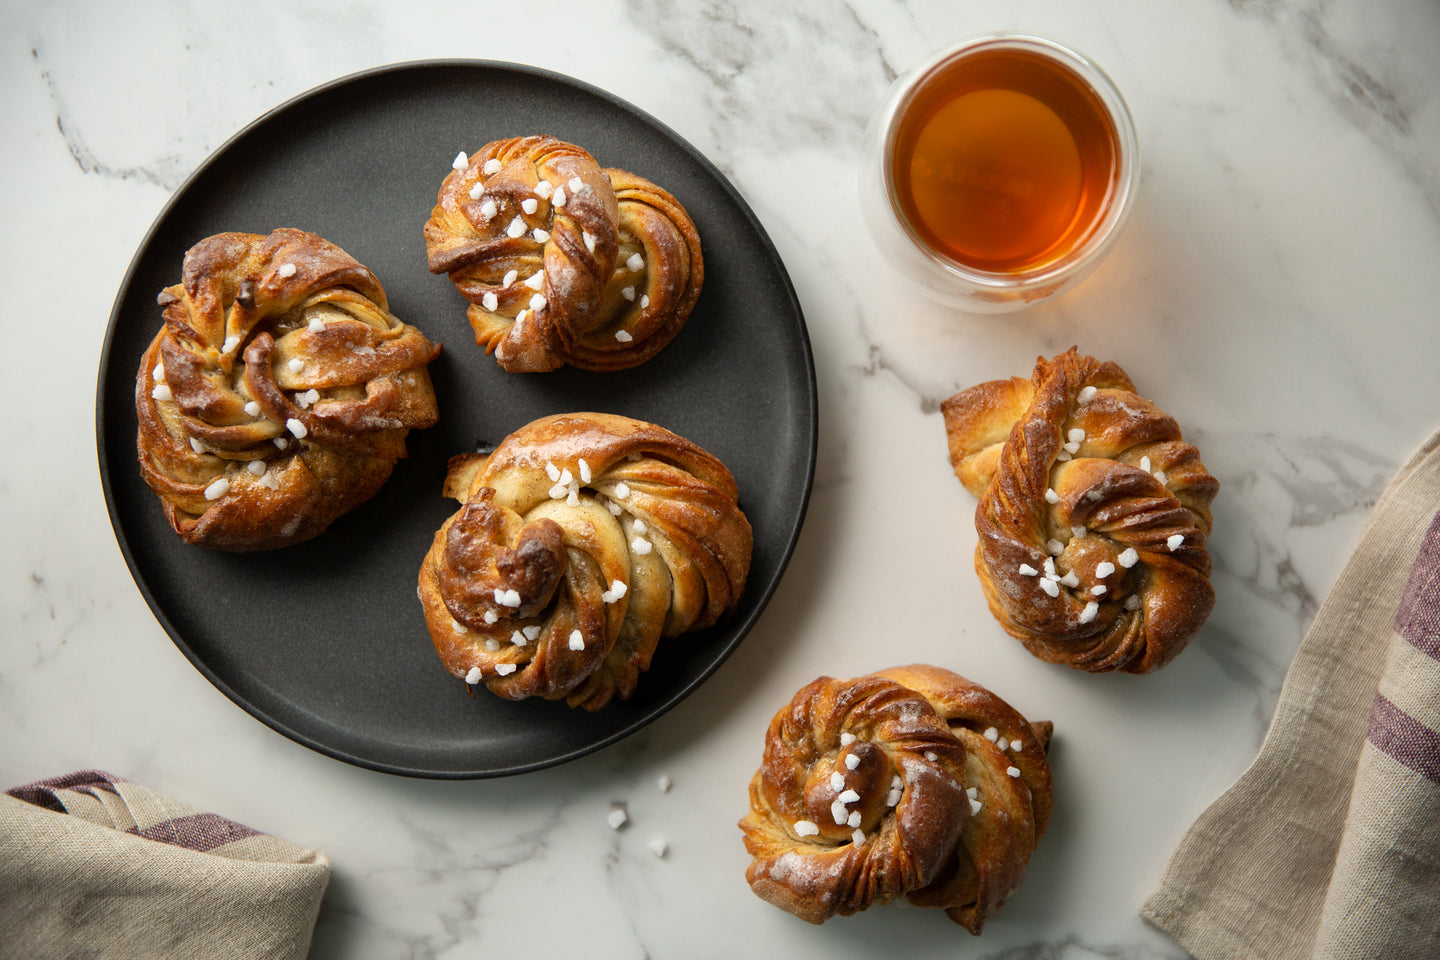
909,782
582,540
279,391
1093,515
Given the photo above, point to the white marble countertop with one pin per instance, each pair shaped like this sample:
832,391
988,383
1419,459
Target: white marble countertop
1276,290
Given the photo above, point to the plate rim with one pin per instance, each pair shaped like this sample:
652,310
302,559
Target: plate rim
742,627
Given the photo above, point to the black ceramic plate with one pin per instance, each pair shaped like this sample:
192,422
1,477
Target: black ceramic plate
324,641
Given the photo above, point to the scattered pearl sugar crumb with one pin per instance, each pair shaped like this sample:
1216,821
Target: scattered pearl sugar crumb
658,846
1175,542
664,783
617,816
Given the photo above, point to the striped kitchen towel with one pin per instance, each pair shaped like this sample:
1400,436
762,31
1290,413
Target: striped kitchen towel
1328,847
95,866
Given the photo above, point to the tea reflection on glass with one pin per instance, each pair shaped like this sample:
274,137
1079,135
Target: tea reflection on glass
999,173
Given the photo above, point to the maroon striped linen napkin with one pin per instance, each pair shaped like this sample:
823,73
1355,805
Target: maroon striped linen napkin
1328,847
95,866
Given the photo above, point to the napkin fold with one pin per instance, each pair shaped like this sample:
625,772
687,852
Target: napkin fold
1328,846
95,866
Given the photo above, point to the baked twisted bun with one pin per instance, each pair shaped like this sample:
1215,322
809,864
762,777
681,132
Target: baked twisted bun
1093,515
909,782
563,262
278,394
584,538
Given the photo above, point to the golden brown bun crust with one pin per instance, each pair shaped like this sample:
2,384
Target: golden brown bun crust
605,252
263,332
1127,504
563,509
918,736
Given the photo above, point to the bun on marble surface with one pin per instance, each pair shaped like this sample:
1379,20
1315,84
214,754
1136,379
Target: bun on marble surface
910,782
562,262
278,393
582,540
1093,518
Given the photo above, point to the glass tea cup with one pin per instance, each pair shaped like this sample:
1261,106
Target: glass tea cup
999,173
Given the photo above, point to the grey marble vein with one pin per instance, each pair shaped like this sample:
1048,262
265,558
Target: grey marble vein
1365,76
805,80
167,171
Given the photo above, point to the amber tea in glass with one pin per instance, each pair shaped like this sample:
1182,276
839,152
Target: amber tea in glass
1007,165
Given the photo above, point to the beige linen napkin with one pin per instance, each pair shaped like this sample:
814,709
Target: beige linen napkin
95,866
1329,845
